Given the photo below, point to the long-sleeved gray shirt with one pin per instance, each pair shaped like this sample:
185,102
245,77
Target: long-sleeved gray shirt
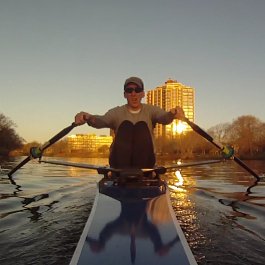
114,117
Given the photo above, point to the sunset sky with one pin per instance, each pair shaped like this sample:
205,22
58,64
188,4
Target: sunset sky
59,57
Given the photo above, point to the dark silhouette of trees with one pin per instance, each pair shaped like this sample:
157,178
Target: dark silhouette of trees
246,134
9,139
220,132
60,148
186,145
260,144
25,149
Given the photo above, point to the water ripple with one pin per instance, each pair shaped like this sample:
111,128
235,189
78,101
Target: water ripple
42,212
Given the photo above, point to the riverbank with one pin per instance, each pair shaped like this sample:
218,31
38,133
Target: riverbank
159,156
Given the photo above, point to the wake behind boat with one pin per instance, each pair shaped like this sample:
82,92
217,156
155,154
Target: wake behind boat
132,222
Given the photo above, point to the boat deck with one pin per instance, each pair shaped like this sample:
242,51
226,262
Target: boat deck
132,224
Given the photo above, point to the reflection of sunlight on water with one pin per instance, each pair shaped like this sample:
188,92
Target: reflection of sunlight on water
184,208
76,172
178,183
179,194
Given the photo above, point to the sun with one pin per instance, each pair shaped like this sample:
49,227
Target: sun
179,127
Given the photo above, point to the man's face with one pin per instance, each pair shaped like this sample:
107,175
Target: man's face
134,95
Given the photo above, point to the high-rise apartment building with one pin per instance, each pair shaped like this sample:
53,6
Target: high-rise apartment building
168,96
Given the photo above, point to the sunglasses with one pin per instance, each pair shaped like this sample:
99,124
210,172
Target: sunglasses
131,89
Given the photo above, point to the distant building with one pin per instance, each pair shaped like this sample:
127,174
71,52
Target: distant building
168,96
88,142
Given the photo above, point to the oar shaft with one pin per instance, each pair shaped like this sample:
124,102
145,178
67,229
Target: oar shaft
53,140
199,130
58,136
192,164
242,164
21,164
205,135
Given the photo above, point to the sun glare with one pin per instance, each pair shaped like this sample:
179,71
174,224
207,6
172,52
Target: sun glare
179,127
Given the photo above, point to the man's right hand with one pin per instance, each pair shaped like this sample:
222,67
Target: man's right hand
81,118
178,113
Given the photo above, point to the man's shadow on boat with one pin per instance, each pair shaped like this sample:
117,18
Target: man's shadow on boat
133,222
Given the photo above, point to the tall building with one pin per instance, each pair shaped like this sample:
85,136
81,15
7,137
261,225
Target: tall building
168,96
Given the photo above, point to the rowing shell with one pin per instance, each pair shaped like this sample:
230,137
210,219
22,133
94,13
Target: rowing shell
132,222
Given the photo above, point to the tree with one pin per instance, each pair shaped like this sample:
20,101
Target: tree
261,139
246,132
9,139
219,132
25,149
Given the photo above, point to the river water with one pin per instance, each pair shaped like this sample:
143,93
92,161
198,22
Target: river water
219,207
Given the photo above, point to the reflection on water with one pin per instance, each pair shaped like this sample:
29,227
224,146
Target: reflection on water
182,189
220,208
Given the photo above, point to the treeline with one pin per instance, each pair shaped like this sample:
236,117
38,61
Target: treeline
9,139
61,148
246,135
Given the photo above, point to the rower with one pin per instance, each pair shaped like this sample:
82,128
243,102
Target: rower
133,124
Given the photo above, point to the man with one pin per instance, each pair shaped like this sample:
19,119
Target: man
133,124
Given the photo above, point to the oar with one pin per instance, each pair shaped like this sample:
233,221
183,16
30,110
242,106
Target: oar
104,169
205,135
192,164
36,152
